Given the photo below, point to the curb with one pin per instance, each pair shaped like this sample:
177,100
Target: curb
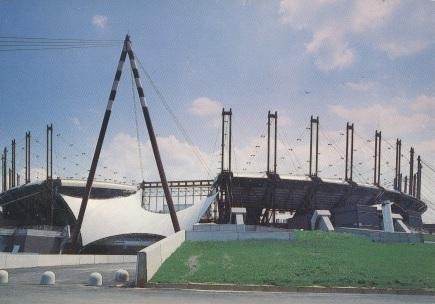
309,289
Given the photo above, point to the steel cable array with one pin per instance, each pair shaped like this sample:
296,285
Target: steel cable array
15,43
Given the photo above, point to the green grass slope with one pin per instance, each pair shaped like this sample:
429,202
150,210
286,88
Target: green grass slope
314,258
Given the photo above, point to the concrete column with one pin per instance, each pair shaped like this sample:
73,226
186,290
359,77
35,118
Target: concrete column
387,216
321,220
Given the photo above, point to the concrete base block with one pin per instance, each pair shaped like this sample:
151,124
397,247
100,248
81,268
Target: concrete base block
387,216
401,226
4,277
95,279
321,220
238,215
48,278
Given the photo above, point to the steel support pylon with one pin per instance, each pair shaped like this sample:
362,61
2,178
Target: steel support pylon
126,50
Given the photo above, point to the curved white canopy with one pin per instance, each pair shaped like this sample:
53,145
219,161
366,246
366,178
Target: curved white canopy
124,215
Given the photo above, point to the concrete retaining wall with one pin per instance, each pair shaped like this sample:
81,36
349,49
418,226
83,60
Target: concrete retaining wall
152,257
9,260
385,237
237,235
234,232
234,227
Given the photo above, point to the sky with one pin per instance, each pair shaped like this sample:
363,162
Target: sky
368,62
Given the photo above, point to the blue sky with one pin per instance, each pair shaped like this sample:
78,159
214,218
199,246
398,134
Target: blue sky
368,62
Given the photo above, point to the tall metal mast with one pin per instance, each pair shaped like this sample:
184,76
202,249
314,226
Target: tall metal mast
5,169
127,49
13,163
271,116
397,178
349,148
411,171
226,130
27,177
49,151
377,168
314,121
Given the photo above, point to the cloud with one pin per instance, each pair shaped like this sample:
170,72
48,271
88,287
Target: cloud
427,146
331,49
386,117
396,49
205,107
361,86
99,21
77,123
423,103
370,14
284,120
397,28
180,159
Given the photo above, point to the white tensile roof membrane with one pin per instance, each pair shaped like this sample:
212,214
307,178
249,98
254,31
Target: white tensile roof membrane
124,215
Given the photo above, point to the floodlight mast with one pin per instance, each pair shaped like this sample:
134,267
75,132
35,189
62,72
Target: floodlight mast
127,49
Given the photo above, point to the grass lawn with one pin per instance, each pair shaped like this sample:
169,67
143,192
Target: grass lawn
314,258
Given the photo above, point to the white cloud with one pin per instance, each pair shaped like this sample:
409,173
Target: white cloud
99,21
301,14
179,159
369,14
331,49
284,120
361,86
396,49
77,123
204,106
328,43
386,117
426,147
423,103
397,28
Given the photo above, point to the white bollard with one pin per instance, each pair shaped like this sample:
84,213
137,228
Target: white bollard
48,278
121,276
4,277
95,279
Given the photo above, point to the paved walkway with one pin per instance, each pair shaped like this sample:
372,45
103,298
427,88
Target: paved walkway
70,288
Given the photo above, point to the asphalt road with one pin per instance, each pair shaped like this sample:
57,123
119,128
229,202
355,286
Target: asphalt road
71,287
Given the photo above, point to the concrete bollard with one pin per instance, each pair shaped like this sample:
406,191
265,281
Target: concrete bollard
4,277
121,276
48,278
95,279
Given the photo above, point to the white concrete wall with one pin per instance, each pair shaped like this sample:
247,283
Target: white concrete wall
23,260
152,257
384,237
234,227
237,235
